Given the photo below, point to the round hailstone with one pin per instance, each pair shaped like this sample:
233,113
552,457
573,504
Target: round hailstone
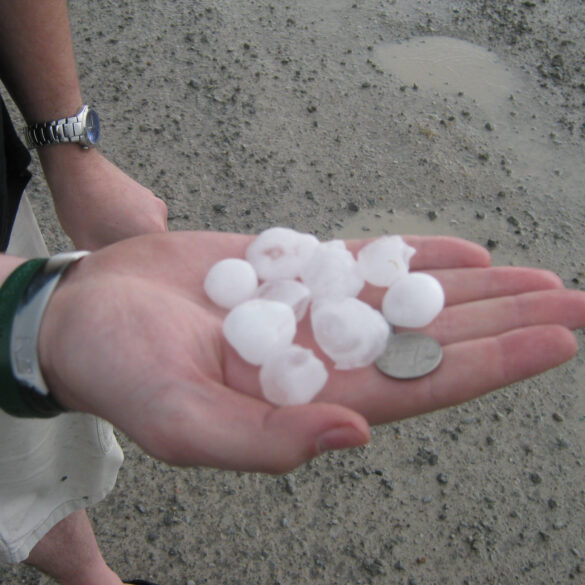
332,272
385,260
350,332
413,301
230,282
258,328
291,292
280,252
292,376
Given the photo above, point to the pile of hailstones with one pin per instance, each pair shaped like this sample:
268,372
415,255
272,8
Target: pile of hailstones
285,273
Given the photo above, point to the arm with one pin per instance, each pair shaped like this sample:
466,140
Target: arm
130,336
96,202
36,58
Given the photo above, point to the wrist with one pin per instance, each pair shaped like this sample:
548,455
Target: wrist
55,155
67,161
8,264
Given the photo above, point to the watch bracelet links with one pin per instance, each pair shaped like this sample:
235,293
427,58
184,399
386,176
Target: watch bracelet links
54,132
30,284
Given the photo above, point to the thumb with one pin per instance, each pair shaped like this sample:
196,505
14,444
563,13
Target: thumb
239,432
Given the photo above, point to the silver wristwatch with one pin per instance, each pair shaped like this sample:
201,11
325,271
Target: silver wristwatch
82,129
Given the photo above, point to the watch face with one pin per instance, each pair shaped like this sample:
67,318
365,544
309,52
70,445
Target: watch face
92,124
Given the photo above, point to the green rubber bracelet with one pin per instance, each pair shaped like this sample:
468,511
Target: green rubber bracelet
15,398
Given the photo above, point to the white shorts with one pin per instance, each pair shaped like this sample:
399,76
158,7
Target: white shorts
49,468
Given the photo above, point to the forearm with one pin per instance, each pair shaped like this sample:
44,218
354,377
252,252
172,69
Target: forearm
37,63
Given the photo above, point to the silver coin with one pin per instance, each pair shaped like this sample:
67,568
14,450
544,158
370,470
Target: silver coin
410,355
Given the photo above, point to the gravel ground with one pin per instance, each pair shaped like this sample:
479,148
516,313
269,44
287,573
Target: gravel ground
244,115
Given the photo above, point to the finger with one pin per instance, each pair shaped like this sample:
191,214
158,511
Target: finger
471,284
472,369
234,431
495,316
463,285
446,252
468,370
435,252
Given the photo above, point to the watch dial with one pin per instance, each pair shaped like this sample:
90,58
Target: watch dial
93,127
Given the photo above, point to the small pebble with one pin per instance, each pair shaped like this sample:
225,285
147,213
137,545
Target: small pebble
535,478
443,478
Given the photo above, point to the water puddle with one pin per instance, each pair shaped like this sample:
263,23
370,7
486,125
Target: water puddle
368,223
450,65
451,68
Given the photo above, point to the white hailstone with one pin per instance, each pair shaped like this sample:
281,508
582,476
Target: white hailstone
291,292
340,244
230,282
280,252
413,301
257,328
332,272
385,260
350,332
292,376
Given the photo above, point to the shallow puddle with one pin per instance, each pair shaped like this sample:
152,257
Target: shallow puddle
454,66
369,223
451,68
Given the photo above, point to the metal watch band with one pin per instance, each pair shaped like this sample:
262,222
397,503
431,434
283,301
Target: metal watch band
73,129
27,322
54,132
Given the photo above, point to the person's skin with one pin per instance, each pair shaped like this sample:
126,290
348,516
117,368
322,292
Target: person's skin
69,554
96,202
135,317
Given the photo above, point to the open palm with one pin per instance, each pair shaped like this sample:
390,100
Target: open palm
130,336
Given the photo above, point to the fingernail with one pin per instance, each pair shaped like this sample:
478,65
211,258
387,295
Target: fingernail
341,438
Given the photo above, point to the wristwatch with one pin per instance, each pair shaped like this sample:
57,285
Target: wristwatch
82,129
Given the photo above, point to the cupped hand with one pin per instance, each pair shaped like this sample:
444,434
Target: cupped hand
96,202
129,335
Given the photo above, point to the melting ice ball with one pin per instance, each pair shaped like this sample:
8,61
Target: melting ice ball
350,332
231,281
291,292
280,252
292,376
258,328
332,272
385,260
413,301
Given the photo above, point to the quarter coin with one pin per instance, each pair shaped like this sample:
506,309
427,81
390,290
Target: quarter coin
410,355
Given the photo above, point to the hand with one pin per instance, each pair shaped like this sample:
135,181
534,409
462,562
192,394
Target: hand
130,336
96,203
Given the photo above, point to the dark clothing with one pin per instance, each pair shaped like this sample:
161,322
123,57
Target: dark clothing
14,174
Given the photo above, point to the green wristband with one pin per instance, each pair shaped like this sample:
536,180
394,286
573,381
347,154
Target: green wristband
16,398
12,399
